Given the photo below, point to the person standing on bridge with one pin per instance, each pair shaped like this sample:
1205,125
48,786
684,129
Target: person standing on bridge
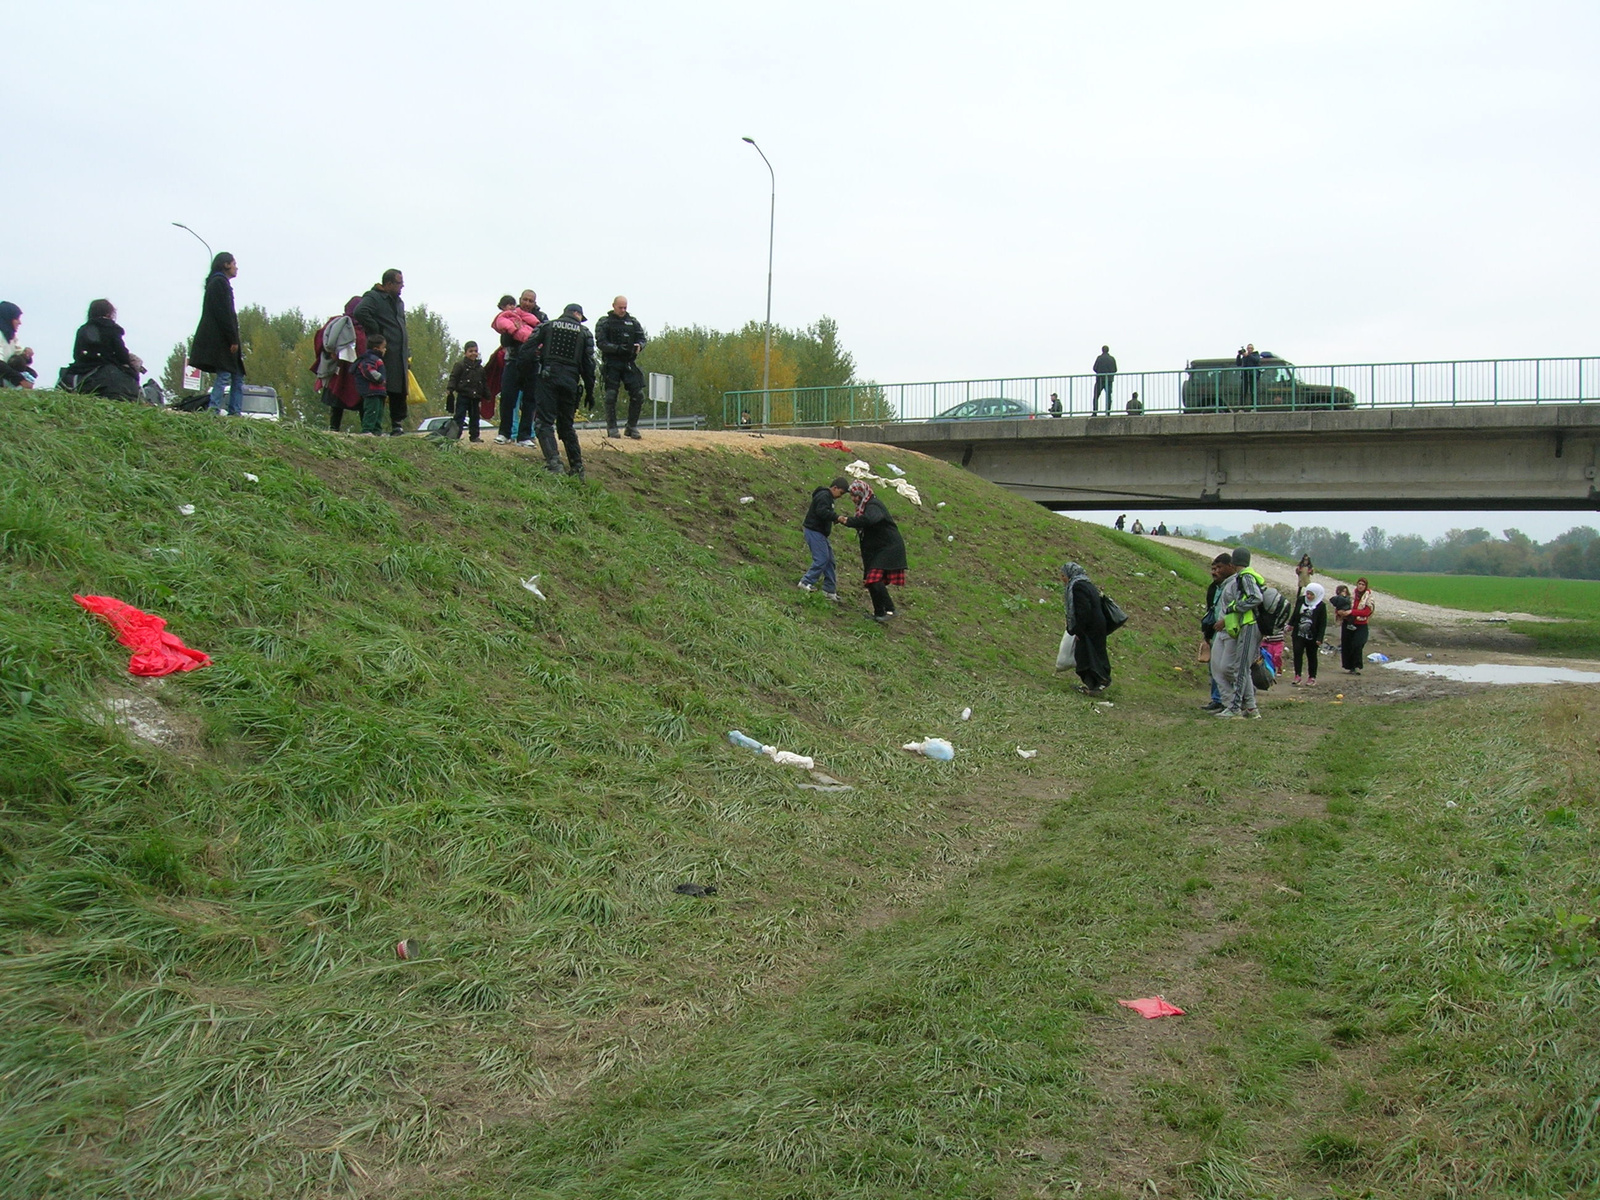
1105,372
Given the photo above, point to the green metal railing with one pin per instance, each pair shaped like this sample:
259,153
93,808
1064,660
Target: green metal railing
1275,386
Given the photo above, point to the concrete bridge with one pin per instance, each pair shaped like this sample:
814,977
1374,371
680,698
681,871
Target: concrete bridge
1535,456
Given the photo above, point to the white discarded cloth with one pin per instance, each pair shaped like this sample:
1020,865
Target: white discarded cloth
784,759
532,584
1021,753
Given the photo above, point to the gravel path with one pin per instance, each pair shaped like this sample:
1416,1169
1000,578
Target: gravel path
1281,575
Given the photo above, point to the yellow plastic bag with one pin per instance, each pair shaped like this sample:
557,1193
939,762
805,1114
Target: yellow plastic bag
414,392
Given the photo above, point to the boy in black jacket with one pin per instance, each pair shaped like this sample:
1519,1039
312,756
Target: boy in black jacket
467,388
819,522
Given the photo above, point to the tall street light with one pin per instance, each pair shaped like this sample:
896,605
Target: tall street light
196,236
766,358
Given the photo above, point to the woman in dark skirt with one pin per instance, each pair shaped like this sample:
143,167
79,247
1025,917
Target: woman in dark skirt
883,550
1086,621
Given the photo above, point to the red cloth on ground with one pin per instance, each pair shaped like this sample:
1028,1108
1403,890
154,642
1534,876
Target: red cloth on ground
155,651
1152,1007
836,446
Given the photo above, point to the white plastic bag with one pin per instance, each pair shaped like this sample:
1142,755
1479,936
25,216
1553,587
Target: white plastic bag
1066,656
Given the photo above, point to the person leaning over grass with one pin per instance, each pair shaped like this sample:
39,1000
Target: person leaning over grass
819,523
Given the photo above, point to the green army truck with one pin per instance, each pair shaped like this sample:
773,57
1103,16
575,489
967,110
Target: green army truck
1217,385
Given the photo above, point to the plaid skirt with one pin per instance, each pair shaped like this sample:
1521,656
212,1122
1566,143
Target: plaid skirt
879,575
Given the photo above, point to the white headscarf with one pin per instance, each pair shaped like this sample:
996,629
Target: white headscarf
1314,594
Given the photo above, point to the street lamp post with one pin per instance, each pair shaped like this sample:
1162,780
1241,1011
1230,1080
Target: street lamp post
766,356
196,237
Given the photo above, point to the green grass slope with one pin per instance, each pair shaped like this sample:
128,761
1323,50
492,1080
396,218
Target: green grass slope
1381,918
396,739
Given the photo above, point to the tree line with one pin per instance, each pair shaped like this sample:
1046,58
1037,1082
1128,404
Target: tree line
704,363
1573,555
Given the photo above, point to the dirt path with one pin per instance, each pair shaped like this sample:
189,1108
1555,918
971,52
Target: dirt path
1282,575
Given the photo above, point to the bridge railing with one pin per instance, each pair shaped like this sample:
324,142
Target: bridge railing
1274,386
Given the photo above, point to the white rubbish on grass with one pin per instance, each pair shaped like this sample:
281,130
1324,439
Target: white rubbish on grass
861,468
252,478
940,504
1139,574
747,499
186,510
1104,704
1449,803
1174,574
782,757
906,490
1021,753
935,748
826,787
785,759
950,537
894,468
532,584
966,714
1375,657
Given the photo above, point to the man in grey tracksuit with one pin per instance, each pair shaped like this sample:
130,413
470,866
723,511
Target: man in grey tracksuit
1238,636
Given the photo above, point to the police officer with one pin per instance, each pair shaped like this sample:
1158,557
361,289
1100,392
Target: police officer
620,338
565,351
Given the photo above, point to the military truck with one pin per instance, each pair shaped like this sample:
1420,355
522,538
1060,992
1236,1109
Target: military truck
1217,385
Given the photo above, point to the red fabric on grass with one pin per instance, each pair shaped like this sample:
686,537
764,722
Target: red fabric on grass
836,446
155,651
1152,1007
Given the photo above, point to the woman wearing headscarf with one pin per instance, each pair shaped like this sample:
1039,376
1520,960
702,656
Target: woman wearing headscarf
216,339
1354,636
1310,626
883,550
16,360
1086,621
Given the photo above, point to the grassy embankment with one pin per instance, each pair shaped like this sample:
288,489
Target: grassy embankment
906,989
1574,602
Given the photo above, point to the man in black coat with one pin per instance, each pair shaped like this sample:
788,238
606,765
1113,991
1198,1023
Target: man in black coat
1105,373
565,351
520,382
215,347
620,338
382,311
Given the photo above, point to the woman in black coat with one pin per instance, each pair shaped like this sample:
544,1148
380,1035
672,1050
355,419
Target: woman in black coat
883,550
1086,621
101,364
216,339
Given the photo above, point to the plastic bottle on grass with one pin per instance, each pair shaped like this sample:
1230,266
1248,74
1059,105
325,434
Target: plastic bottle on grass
749,743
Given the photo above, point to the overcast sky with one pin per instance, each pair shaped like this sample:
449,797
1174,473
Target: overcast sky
970,191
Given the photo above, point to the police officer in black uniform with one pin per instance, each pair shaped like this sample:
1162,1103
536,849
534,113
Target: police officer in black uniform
565,350
620,338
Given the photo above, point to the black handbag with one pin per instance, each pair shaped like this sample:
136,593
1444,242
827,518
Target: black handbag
1115,617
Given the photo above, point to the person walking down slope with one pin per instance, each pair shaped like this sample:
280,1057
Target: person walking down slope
1086,622
1105,373
883,550
215,347
819,523
1239,599
1353,639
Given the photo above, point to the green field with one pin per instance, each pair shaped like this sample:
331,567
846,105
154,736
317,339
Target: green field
1380,918
1569,599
